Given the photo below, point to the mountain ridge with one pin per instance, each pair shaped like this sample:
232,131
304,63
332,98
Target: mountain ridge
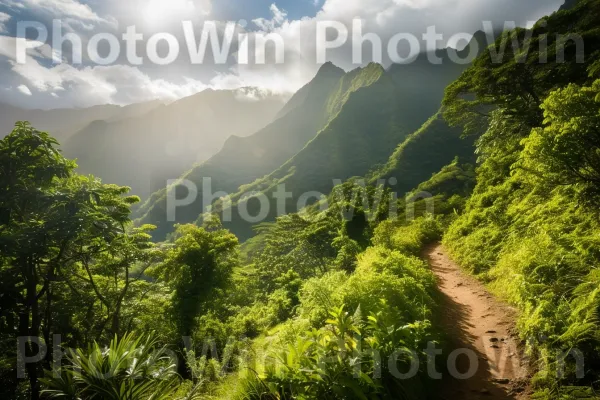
243,160
372,120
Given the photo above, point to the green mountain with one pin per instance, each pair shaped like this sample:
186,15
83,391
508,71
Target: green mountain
372,118
425,152
370,123
569,4
360,118
144,151
245,159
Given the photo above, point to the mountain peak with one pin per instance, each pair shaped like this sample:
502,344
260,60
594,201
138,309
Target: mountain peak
373,66
330,68
371,72
328,75
569,4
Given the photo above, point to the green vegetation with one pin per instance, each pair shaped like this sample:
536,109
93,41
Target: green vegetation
333,300
74,265
425,152
347,324
102,278
531,227
128,369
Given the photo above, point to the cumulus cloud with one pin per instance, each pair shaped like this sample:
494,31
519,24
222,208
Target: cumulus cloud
204,7
24,89
67,85
4,18
164,11
279,17
383,17
58,8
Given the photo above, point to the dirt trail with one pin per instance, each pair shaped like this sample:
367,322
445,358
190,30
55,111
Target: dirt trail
473,319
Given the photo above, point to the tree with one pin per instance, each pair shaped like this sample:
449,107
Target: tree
106,270
518,71
297,243
197,265
53,220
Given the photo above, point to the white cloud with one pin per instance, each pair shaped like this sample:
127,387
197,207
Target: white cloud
24,89
4,18
82,87
155,11
204,7
59,8
67,85
278,18
384,17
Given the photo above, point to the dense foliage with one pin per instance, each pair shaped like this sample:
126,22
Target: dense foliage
349,325
78,274
531,227
332,301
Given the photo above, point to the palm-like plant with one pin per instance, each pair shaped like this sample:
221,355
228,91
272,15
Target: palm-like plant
128,369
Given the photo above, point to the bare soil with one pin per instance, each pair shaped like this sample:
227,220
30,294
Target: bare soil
473,319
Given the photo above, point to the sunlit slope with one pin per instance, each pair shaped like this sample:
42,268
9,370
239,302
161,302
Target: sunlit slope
244,159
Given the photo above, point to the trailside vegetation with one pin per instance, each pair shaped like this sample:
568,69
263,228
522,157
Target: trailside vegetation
531,228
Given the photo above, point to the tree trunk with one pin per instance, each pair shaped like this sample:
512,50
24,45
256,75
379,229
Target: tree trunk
30,312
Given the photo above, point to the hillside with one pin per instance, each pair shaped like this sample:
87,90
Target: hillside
369,122
424,152
390,105
143,151
530,230
244,159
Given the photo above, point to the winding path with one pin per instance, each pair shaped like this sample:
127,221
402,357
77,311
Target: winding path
473,319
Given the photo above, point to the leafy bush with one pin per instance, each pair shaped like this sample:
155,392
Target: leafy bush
342,360
319,295
346,355
408,239
380,259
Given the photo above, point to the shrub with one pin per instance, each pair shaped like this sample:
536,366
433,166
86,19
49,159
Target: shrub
318,295
379,259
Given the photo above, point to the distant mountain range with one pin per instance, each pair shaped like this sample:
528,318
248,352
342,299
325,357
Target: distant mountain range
144,145
63,123
144,151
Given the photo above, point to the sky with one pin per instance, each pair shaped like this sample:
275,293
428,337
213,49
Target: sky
46,81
